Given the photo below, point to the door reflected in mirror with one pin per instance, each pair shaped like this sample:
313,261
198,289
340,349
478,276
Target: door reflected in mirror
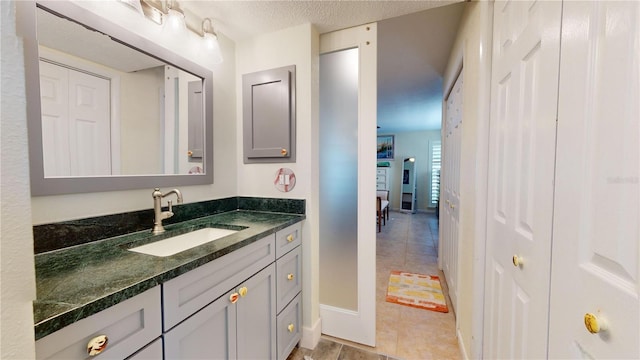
108,109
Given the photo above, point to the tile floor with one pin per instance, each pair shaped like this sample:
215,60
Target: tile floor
408,242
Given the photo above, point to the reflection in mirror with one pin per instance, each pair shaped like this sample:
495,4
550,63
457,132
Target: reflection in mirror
408,196
105,112
110,110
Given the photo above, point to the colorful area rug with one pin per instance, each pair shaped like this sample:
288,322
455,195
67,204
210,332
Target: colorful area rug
416,290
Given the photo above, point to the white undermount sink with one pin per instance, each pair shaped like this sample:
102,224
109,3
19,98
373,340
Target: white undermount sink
176,244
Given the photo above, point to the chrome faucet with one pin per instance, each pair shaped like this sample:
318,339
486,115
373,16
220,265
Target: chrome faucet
157,208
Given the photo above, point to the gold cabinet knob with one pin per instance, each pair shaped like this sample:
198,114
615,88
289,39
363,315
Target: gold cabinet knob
97,345
290,277
290,237
593,324
190,153
291,328
243,291
517,261
283,152
234,298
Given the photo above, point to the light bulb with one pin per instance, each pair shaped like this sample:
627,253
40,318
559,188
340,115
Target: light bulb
175,21
212,47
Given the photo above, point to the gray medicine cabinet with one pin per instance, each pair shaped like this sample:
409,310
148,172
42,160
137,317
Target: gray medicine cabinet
269,115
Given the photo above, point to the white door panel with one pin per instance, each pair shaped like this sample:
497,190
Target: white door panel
596,238
54,93
451,188
521,170
76,130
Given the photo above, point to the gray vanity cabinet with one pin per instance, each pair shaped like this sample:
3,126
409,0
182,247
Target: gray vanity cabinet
228,329
289,287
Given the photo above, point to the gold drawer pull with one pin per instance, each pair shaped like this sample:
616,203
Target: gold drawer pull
243,291
189,153
291,328
290,277
290,237
97,345
284,152
233,298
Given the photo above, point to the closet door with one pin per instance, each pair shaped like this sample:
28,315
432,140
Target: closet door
450,212
524,87
596,251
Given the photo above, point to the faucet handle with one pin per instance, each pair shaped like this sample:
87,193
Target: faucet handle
170,204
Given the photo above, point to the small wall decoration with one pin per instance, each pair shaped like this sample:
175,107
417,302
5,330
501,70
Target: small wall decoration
285,180
385,147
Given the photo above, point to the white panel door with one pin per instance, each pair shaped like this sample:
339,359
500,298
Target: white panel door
521,170
596,251
76,129
451,189
89,125
54,95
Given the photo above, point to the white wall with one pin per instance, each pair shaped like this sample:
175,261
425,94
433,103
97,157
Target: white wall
473,48
271,51
93,204
412,144
140,121
17,275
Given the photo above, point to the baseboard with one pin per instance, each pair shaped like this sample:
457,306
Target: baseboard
311,335
463,351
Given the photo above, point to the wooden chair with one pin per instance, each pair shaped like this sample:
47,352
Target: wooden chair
382,208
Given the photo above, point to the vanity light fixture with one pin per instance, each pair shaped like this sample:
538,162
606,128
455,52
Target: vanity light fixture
168,14
174,20
210,39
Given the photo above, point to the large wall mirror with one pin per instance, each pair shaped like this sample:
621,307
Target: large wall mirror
110,110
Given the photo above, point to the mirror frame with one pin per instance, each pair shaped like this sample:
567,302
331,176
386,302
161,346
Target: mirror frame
41,185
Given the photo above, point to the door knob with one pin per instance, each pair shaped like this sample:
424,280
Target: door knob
517,261
593,324
189,153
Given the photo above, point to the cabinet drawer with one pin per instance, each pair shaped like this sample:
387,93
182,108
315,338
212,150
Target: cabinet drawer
381,178
192,291
289,277
288,238
288,332
381,186
129,326
381,172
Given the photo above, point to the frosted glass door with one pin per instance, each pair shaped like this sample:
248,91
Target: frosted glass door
339,179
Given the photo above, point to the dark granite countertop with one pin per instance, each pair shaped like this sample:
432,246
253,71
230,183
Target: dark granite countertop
76,282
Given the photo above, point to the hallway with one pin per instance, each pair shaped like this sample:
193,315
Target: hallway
409,242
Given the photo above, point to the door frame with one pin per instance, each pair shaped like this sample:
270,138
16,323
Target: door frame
476,135
360,326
